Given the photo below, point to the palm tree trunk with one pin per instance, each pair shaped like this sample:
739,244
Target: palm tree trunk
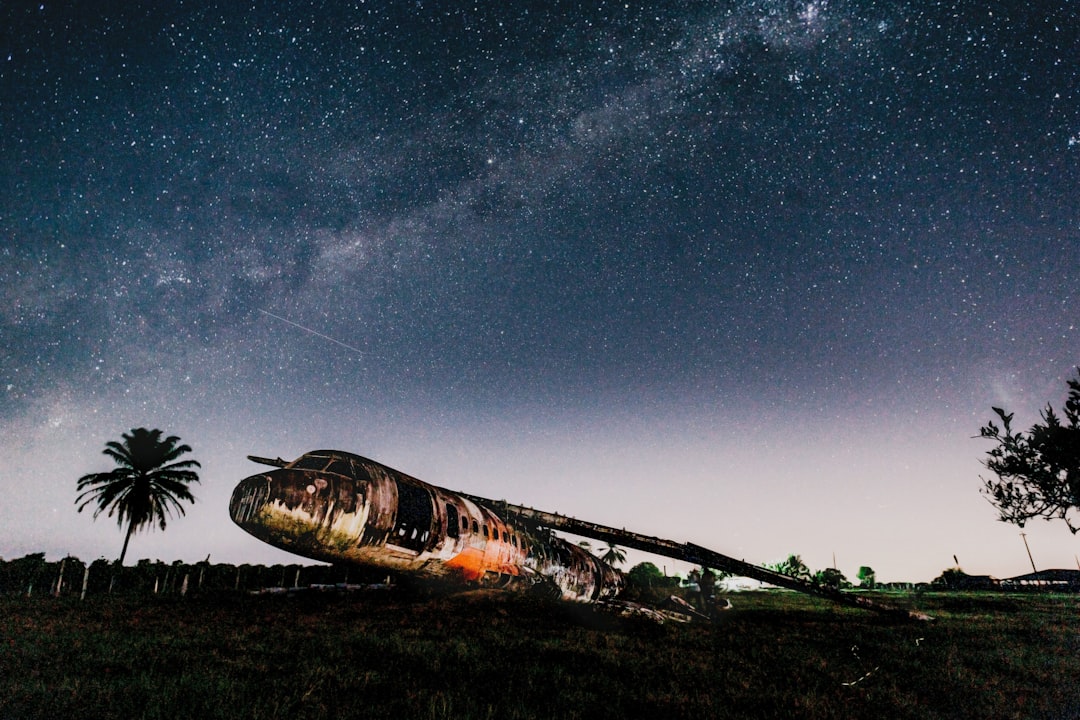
127,537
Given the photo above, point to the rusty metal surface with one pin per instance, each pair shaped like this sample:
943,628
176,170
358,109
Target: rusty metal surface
697,555
338,507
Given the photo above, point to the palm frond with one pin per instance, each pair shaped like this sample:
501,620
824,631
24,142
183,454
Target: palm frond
148,485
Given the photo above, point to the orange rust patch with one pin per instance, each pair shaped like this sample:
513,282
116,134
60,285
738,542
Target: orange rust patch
470,562
473,563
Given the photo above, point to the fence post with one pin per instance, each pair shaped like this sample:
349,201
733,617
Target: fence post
60,580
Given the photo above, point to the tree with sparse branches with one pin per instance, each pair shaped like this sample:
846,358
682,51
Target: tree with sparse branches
147,485
1037,473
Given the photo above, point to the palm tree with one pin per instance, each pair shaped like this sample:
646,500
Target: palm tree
147,485
613,555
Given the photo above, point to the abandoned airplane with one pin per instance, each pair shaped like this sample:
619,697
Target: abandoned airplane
341,508
338,507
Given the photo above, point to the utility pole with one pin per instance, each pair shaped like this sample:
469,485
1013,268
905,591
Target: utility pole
1033,569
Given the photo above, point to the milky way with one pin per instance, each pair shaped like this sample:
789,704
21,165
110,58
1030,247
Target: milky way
777,259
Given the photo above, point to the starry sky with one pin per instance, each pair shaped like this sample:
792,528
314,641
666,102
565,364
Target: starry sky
749,273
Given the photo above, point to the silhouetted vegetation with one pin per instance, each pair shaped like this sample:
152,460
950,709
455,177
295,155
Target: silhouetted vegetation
613,555
1037,474
645,574
32,575
831,578
147,484
956,579
793,566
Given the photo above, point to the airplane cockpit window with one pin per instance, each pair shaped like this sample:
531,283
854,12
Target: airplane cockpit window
341,467
311,462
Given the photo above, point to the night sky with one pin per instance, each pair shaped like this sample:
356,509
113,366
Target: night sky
750,273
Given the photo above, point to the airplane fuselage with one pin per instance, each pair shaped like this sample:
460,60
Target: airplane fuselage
338,507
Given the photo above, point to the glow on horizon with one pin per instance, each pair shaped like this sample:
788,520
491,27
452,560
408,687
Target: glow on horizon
749,275
901,502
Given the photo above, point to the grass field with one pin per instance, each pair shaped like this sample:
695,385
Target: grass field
503,655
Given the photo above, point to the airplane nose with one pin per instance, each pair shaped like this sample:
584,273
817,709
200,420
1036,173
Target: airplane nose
307,512
287,493
249,497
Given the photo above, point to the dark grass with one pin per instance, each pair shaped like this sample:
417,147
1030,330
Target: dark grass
503,655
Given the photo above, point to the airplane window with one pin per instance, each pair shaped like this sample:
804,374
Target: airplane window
465,523
452,528
415,515
475,527
485,531
340,467
311,462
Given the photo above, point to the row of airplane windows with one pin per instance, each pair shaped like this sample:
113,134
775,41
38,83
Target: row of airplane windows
493,533
477,529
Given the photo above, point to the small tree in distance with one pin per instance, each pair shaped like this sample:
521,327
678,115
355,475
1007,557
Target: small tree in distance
831,578
867,577
793,566
1037,474
645,574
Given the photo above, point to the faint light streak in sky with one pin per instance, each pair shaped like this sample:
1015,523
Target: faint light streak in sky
313,332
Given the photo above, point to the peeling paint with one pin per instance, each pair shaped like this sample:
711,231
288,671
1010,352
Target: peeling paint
338,507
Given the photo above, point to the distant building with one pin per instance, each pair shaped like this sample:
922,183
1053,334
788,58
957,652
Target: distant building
1061,580
957,579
